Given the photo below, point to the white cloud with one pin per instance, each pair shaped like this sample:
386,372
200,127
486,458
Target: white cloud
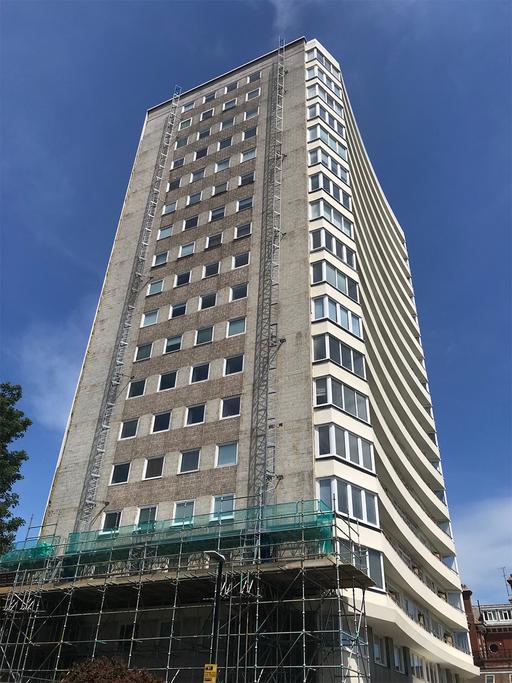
285,15
483,538
49,358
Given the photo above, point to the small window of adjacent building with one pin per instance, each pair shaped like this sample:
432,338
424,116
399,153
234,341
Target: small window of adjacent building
190,223
111,520
178,163
147,516
217,214
207,301
243,230
136,388
241,260
149,318
223,506
188,106
248,155
252,94
214,241
244,204
161,422
177,310
168,208
204,335
231,86
203,134
189,461
143,352
155,287
228,123
174,184
120,473
185,124
207,114
201,153
167,381
128,429
160,259
173,344
379,650
239,291
234,364
165,232
220,189
249,133
181,142
236,327
247,179
211,269
187,249
221,165
154,467
209,98
230,407
183,512
194,198
182,279
230,104
197,175
226,454
199,373
195,414
226,142
251,113
252,78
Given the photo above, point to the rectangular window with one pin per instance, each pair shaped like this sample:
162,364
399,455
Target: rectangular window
221,165
318,132
167,381
174,184
189,461
332,440
238,292
243,230
322,239
160,259
143,352
182,279
204,335
241,260
185,124
327,347
199,373
245,203
217,214
320,156
128,429
111,521
149,318
234,364
224,506
203,134
223,144
165,232
188,106
226,454
177,310
230,104
220,189
248,155
350,499
251,113
173,344
207,301
230,407
249,133
201,153
187,249
252,78
330,390
207,114
195,414
178,163
379,650
181,142
247,179
194,198
211,269
214,241
236,327
227,123
161,422
252,94
155,287
319,181
154,467
325,307
190,223
197,175
322,209
168,208
120,473
147,517
209,98
322,271
183,512
231,86
136,388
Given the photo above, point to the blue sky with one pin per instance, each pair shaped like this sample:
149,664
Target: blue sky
430,82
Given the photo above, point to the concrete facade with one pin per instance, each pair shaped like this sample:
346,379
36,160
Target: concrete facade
354,414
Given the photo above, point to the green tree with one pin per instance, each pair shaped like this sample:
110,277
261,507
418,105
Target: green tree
13,425
105,670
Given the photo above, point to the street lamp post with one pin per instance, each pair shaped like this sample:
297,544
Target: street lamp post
220,559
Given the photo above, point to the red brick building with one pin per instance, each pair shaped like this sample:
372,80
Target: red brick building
490,632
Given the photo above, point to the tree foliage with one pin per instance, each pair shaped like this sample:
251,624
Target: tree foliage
105,670
13,425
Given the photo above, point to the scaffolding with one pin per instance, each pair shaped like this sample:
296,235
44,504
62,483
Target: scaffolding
144,594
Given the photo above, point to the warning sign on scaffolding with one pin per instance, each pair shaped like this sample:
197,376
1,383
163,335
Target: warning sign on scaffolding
210,673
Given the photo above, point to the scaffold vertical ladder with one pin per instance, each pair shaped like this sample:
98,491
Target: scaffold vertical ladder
88,500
